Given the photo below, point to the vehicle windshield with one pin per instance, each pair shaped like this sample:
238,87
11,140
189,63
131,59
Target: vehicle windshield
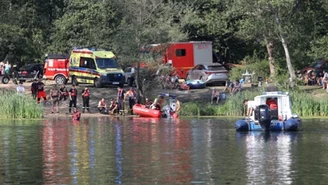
25,67
317,64
104,63
215,67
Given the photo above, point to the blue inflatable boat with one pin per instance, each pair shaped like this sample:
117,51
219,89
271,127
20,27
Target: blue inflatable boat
196,84
268,116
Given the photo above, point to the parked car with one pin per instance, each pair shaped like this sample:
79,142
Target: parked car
318,67
209,74
30,71
128,72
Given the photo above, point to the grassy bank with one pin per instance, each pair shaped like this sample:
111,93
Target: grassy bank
16,106
304,104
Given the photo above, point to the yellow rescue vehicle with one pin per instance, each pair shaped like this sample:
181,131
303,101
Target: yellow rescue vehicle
98,67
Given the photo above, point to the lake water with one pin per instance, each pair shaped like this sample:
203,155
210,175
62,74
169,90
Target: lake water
148,151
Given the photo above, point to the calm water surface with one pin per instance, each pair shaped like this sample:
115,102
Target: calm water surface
150,151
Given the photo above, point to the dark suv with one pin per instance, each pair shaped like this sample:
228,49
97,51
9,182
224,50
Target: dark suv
30,71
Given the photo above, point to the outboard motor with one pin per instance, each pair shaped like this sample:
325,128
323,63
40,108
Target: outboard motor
262,114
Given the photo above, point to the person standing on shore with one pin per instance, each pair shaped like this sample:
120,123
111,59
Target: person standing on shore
41,92
120,98
34,88
54,96
132,95
86,99
72,93
63,92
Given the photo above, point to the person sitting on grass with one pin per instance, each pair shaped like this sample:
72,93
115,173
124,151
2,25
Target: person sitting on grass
236,88
20,88
76,115
102,105
113,107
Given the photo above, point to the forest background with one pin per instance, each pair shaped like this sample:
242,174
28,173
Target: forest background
271,34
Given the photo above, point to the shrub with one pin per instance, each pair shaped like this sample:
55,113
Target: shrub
19,106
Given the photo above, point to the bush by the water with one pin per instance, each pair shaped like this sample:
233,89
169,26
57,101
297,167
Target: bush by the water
15,106
303,104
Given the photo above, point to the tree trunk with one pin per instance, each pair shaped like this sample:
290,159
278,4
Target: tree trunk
269,46
292,76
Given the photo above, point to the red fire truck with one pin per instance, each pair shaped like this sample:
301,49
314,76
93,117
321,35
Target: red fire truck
56,67
185,55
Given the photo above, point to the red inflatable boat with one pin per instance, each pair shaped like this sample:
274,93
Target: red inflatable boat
142,111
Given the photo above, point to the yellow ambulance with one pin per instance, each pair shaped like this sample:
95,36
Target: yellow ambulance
98,67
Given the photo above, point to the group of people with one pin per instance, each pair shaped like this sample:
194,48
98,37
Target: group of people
313,78
4,68
117,106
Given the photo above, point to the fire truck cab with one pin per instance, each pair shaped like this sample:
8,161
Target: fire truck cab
56,67
183,56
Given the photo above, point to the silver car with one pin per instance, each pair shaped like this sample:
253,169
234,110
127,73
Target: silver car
128,72
215,73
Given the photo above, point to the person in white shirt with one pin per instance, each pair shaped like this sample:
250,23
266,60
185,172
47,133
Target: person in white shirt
20,88
324,80
250,107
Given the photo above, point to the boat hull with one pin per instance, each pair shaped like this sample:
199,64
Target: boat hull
292,124
142,111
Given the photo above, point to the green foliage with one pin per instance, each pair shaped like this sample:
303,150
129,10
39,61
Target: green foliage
254,66
319,48
303,104
16,106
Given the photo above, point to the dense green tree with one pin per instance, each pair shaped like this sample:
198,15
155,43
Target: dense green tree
147,22
84,24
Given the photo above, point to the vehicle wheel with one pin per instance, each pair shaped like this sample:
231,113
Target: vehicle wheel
60,79
74,81
5,80
97,83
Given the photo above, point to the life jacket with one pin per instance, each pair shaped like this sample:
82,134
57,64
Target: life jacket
102,103
54,93
113,105
76,115
63,91
132,94
86,93
120,94
73,92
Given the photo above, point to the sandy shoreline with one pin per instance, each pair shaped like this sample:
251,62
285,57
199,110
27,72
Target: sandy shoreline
203,95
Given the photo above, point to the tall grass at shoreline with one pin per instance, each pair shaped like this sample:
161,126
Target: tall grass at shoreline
303,104
16,106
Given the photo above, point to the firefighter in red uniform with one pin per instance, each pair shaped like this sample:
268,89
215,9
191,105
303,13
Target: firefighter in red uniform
41,92
72,93
86,99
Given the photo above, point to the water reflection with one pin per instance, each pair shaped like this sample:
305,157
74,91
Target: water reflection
268,156
109,150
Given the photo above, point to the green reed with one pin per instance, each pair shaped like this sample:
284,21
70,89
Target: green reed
303,103
15,106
